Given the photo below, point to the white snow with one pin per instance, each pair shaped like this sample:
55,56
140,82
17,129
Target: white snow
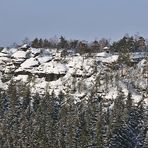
56,86
78,97
19,54
39,86
24,46
4,54
110,59
4,59
81,66
32,62
102,54
21,78
112,94
53,67
12,50
5,50
9,51
138,55
45,52
44,59
106,48
35,50
106,57
136,98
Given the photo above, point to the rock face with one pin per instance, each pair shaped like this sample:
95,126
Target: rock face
74,75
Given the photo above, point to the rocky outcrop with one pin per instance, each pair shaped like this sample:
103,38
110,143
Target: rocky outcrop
74,75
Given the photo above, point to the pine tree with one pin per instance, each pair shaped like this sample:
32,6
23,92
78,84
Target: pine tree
40,43
131,133
63,43
35,43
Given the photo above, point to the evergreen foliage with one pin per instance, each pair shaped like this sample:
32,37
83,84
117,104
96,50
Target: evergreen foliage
47,121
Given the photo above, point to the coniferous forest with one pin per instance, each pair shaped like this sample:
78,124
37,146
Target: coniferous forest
50,122
73,94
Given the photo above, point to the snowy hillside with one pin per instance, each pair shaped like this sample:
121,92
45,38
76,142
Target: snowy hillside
51,99
76,75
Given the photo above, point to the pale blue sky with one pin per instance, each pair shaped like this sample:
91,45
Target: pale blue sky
74,19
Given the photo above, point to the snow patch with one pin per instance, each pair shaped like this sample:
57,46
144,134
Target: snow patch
19,54
32,62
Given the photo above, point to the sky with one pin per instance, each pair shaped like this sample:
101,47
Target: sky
74,19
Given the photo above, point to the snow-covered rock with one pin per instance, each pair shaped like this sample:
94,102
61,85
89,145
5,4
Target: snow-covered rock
4,54
29,63
12,50
25,46
35,51
44,59
75,75
106,57
19,55
110,59
5,51
102,54
22,78
53,67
